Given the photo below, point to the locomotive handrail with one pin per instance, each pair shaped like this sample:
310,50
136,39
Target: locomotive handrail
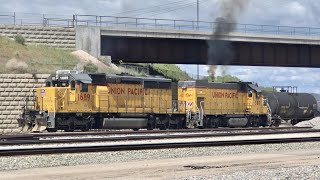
202,112
48,107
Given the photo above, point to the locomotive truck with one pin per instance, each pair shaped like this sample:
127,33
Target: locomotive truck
72,100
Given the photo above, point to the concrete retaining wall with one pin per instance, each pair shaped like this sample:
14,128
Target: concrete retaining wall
50,36
14,89
89,40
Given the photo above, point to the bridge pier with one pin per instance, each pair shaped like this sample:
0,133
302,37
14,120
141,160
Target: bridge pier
88,38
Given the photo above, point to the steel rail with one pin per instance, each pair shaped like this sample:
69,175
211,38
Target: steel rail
33,140
128,147
112,132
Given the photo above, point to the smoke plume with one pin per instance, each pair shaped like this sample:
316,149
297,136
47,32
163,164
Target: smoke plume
219,51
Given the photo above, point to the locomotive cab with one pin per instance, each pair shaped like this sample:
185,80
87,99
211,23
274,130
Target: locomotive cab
65,92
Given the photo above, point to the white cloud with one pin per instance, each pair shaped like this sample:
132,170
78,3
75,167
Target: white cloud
296,9
306,79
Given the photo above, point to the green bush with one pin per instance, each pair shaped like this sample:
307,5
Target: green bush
20,39
90,67
105,59
170,71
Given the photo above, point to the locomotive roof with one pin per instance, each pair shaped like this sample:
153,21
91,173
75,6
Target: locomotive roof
230,85
101,78
144,78
84,78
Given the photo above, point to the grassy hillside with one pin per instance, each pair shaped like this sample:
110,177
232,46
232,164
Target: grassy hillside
18,58
36,59
170,71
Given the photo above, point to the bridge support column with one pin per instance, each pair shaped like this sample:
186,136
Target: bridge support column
89,40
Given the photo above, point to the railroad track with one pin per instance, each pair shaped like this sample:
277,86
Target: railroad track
126,147
114,132
39,139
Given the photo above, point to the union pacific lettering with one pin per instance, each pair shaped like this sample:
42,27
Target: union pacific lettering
129,91
224,95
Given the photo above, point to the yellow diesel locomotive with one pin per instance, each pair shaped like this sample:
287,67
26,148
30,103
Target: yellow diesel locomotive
236,104
73,100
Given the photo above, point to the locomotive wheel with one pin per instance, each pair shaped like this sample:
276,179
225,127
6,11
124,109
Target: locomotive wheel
85,128
251,122
264,121
207,123
70,128
52,130
163,127
216,122
256,122
294,121
276,122
151,123
182,124
165,121
149,128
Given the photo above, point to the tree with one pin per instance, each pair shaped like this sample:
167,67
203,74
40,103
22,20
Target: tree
90,67
226,78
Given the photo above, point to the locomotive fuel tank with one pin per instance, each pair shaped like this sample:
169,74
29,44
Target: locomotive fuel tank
237,122
125,123
291,105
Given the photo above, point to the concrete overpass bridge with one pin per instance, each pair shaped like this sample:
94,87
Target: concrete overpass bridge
185,42
191,47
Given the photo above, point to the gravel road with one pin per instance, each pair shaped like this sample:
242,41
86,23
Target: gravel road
279,164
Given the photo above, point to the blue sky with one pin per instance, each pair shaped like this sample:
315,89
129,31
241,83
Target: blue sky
270,12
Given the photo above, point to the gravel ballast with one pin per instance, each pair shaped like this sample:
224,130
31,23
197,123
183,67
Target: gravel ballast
38,161
199,139
313,123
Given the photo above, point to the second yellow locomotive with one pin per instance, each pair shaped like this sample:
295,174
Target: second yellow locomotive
235,104
73,100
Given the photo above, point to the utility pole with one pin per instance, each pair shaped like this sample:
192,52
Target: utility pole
198,29
197,14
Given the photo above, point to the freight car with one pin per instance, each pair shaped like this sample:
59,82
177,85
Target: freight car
73,100
289,105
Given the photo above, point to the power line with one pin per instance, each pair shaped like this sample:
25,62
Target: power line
153,7
177,8
163,10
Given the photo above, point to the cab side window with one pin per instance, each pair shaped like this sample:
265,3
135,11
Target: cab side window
48,84
265,102
73,85
249,93
83,87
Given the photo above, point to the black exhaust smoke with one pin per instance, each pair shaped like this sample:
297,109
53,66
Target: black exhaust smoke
219,51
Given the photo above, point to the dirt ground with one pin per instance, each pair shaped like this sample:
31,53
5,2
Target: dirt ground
170,168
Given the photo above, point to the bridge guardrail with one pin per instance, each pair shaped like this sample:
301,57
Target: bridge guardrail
146,23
